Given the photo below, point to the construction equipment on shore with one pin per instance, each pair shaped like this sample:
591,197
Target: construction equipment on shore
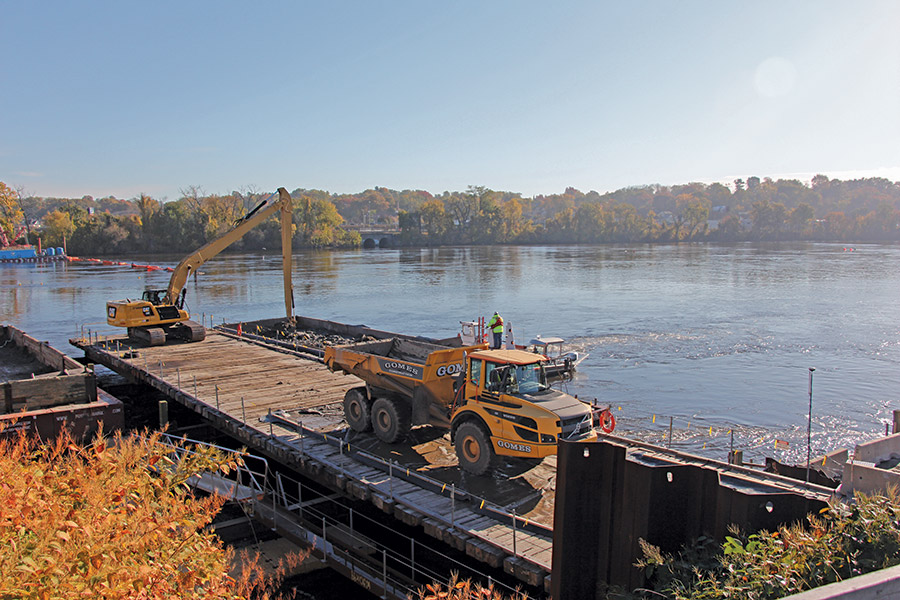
160,314
495,402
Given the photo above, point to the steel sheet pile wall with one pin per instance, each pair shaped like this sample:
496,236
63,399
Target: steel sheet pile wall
607,499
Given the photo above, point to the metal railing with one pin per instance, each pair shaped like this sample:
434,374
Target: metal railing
346,538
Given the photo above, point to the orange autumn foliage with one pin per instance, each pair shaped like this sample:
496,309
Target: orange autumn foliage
112,519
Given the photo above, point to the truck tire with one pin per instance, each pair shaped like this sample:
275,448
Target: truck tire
358,409
473,448
390,419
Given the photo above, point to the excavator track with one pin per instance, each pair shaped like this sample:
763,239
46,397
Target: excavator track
149,336
189,331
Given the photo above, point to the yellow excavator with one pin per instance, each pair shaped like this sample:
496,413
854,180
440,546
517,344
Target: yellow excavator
160,314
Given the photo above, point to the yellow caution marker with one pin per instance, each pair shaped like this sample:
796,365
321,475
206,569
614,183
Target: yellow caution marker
654,418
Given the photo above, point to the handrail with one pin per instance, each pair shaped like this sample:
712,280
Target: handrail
275,485
477,504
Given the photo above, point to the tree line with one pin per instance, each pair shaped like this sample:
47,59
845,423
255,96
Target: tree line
749,210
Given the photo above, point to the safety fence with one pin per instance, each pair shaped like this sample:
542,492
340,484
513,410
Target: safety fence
371,552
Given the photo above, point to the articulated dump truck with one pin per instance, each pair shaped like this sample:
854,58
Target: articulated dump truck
494,402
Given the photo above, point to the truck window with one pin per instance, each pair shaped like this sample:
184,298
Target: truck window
475,372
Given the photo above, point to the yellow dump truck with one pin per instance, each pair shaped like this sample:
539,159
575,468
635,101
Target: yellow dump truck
495,402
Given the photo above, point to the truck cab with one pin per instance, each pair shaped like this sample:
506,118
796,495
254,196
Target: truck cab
511,410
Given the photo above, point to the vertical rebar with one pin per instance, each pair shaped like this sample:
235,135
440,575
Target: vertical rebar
453,504
514,533
670,433
412,558
195,386
243,410
217,396
384,573
302,437
178,375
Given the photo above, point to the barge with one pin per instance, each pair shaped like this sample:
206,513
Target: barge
30,254
44,391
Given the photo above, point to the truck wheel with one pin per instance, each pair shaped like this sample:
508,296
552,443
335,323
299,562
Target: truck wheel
390,419
357,409
473,448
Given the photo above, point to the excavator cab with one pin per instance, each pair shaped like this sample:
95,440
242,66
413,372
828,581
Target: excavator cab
154,297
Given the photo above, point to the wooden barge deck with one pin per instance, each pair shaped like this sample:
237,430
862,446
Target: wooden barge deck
235,384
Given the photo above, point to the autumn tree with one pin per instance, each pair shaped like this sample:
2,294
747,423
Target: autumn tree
435,221
10,211
58,227
148,209
111,520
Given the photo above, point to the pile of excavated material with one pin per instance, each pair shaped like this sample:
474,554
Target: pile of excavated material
308,337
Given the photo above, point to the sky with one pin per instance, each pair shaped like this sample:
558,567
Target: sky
123,98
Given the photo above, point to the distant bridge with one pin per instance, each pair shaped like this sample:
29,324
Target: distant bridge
376,237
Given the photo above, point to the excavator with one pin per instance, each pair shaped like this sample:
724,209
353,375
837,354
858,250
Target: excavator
160,314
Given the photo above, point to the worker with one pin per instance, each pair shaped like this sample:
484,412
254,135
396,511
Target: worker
496,327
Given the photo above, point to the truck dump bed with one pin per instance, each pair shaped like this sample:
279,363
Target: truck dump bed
420,372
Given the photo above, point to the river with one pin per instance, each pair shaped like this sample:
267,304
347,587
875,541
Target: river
715,339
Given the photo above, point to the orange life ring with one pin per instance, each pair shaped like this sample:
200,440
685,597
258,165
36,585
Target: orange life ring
607,421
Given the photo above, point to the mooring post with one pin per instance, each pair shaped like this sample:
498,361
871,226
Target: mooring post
809,425
160,369
163,413
897,421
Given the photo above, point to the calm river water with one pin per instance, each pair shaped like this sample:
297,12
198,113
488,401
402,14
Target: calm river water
716,338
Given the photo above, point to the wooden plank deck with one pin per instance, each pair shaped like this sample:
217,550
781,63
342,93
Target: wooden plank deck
234,383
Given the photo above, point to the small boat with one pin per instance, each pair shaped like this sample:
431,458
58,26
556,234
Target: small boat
560,363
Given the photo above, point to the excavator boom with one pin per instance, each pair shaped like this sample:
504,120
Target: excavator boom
148,319
259,214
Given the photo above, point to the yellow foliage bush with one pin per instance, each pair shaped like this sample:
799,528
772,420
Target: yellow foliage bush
112,519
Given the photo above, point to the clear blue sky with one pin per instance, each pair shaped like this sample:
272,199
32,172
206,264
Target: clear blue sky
118,98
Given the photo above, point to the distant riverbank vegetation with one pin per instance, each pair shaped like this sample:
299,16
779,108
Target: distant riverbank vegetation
754,209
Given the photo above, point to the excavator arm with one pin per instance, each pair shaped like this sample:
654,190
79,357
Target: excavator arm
259,214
